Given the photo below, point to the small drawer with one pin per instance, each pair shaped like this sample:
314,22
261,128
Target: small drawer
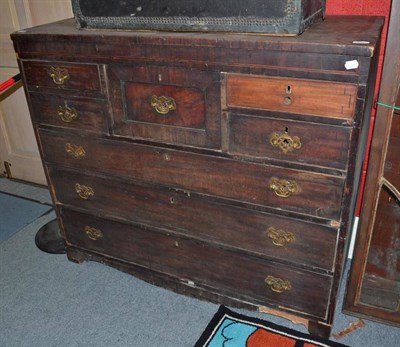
273,186
70,112
174,105
63,76
262,234
308,97
240,276
305,143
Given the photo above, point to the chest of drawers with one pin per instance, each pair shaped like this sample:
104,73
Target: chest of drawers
220,166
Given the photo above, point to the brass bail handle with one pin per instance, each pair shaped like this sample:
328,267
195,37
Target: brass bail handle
75,151
162,104
277,284
285,142
93,233
67,114
283,188
59,75
280,237
84,192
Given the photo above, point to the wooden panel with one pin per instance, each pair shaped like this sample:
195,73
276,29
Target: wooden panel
70,112
383,254
44,11
292,95
380,286
202,218
392,162
317,194
195,94
18,146
9,22
203,264
72,77
286,140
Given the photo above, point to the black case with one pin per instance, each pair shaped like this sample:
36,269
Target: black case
280,17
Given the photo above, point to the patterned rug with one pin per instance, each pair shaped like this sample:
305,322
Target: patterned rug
230,329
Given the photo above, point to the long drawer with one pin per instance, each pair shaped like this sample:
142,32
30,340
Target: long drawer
202,264
263,234
293,190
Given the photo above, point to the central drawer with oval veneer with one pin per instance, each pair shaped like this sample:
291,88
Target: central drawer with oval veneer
174,105
287,189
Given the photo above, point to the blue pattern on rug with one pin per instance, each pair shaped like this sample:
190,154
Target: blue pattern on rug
232,334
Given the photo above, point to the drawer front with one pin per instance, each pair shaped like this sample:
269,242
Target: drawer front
238,275
62,76
165,105
262,234
293,190
172,105
315,98
70,112
308,143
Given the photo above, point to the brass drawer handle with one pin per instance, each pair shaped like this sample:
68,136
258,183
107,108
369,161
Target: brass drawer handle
83,191
93,233
280,237
283,188
162,104
285,142
75,151
278,285
59,75
67,114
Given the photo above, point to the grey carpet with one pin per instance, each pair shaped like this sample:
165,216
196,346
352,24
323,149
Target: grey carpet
29,191
16,213
47,301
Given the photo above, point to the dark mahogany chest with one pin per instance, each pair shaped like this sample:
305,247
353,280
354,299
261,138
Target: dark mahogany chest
221,166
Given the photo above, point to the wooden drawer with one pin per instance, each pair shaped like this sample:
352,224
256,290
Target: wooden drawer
285,140
202,264
70,112
286,189
263,234
166,104
62,76
309,97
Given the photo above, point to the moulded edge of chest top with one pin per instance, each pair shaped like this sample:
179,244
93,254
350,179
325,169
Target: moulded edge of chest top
261,60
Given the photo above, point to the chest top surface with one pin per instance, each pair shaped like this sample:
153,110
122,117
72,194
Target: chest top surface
357,35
